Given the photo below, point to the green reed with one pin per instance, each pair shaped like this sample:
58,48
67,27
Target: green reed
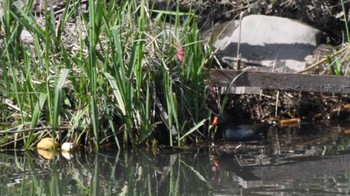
121,82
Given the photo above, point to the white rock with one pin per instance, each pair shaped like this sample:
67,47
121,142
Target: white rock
269,40
67,147
67,155
26,37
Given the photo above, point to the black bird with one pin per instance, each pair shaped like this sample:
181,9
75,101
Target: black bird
232,132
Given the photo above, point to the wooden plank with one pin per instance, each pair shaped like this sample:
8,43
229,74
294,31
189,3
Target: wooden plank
240,90
282,81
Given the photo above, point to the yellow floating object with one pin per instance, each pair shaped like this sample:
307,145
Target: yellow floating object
46,154
47,143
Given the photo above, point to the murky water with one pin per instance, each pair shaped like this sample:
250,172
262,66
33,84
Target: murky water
310,160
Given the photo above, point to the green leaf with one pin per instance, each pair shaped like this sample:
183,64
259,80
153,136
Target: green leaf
116,92
201,123
38,108
58,96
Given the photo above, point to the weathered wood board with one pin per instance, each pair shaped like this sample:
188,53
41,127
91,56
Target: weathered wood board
281,81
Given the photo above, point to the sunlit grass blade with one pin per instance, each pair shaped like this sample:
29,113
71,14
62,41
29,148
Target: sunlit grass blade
35,117
58,98
29,23
175,13
93,39
193,129
117,93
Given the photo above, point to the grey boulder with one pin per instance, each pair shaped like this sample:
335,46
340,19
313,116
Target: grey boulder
274,42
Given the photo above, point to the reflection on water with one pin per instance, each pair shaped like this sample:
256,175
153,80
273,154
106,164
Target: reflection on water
312,160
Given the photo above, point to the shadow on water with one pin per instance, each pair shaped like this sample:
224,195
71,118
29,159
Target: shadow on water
311,159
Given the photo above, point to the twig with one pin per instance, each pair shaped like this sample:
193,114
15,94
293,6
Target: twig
239,42
322,61
19,130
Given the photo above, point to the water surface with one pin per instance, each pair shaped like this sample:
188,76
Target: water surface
310,159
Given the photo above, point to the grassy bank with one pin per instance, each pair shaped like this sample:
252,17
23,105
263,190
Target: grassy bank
115,73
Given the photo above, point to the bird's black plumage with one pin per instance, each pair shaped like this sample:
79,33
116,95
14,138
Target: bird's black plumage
233,132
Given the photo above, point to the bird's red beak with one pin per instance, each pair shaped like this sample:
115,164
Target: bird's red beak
215,122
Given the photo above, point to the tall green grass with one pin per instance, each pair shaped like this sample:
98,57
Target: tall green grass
118,82
336,62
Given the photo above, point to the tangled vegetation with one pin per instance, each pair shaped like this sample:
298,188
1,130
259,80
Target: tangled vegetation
130,72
